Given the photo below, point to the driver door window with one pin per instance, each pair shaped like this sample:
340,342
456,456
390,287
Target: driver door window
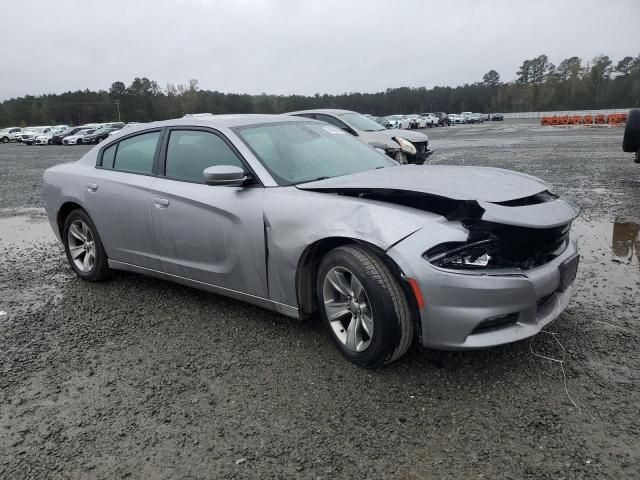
189,152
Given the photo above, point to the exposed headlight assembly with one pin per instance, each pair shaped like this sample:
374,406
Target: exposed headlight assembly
461,255
405,145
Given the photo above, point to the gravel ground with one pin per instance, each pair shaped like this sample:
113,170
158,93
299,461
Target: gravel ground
140,378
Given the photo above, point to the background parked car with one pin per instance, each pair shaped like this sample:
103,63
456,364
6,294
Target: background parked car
44,139
100,134
57,137
475,118
29,135
465,116
78,137
9,134
414,121
402,146
430,119
455,118
394,121
496,117
443,119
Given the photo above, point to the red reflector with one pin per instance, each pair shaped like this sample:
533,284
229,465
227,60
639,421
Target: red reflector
416,292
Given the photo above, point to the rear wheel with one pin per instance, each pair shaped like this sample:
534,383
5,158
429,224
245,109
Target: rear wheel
83,247
5,139
364,307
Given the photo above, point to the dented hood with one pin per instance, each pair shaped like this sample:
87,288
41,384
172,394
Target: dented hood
486,184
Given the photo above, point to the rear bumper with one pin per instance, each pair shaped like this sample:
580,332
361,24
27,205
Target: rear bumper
469,311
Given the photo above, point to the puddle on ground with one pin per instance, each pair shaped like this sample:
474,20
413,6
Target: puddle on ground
610,256
19,234
24,231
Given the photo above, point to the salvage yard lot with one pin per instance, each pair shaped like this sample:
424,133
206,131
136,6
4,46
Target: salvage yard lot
143,378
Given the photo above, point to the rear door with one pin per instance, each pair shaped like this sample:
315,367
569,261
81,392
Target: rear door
119,199
211,234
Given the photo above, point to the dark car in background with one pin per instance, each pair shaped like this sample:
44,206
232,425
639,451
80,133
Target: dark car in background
100,134
496,117
443,119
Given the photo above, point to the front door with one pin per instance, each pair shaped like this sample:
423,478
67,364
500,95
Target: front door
211,234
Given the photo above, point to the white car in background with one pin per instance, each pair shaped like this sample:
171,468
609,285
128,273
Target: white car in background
455,118
44,139
412,121
465,116
77,138
9,134
394,120
430,119
29,135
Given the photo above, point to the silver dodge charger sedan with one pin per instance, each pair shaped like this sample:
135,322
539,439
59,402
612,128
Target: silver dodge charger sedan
297,216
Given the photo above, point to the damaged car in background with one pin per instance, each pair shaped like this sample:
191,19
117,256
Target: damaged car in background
401,145
298,216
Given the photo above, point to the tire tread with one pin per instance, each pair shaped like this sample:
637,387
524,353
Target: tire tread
378,271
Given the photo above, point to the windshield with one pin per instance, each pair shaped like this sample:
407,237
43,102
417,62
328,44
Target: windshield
302,152
360,122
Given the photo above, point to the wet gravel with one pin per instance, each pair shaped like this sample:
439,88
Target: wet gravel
141,378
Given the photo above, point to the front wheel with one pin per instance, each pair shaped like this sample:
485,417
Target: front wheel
83,247
364,307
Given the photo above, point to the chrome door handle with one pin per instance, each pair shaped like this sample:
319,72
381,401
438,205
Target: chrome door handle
92,187
161,202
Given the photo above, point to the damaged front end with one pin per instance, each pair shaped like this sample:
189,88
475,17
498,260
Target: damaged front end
524,233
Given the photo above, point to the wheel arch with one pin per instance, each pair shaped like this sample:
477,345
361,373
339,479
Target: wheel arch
63,212
309,262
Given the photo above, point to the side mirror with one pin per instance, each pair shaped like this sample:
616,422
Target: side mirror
224,175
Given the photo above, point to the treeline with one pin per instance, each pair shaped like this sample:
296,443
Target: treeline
573,84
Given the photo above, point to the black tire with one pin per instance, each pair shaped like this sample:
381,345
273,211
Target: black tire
100,270
631,140
393,318
5,139
49,142
79,141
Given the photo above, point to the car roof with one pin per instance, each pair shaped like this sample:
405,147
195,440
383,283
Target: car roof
328,111
217,121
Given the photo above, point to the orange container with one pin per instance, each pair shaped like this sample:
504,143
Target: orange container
545,121
600,118
587,119
563,120
616,118
575,119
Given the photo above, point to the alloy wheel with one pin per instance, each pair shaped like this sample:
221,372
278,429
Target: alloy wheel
82,247
348,309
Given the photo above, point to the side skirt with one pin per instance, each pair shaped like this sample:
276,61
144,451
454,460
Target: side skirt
282,308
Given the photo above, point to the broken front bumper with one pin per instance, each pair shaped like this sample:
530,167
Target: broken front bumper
468,310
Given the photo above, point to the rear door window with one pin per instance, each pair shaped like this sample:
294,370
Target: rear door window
136,154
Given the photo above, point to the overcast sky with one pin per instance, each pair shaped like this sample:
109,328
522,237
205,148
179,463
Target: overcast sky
298,46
